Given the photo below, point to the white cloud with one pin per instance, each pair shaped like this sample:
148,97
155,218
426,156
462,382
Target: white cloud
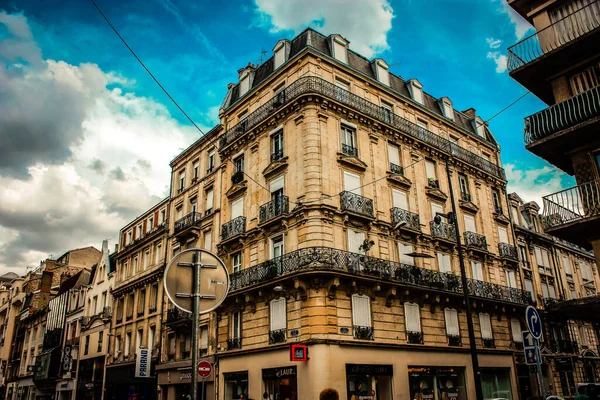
533,184
493,43
75,190
364,23
500,60
520,25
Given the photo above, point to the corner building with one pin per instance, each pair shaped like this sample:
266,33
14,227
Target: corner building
337,169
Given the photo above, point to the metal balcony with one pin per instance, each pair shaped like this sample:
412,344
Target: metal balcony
312,84
553,37
414,337
235,343
176,317
363,332
277,336
396,169
464,196
235,227
349,150
273,209
276,155
356,203
475,240
237,177
454,340
489,343
443,231
189,220
508,251
564,346
406,219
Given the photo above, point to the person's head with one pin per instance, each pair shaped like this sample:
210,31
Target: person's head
329,394
265,395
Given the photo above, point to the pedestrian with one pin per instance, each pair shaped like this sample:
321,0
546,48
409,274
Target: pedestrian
581,394
329,394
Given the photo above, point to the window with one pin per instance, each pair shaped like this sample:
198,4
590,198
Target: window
403,250
104,299
551,291
479,126
567,265
238,162
193,205
342,91
435,209
150,224
276,188
543,260
352,183
511,281
349,141
172,349
583,337
361,310
100,339
422,127
236,325
412,317
444,262
497,202
573,292
469,223
203,340
585,80
181,180
355,241
196,169
279,55
339,50
485,324
277,145
146,257
236,261
209,201
416,90
278,314
129,237
399,199
394,157
94,305
153,297
127,344
430,170
141,302
186,347
277,249
464,187
139,339
139,231
211,163
502,235
515,215
135,265
476,270
545,291
237,208
117,345
387,112
158,252
586,272
447,108
151,335
382,72
515,327
86,347
523,251
208,240
452,325
162,217
529,285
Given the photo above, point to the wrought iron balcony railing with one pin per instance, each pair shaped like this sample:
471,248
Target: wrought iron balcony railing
189,220
465,196
563,31
569,205
313,84
277,336
334,260
363,332
454,340
476,240
235,343
443,231
349,150
235,227
276,155
237,177
396,169
414,337
356,203
275,208
490,343
498,210
563,115
176,316
406,218
564,346
507,251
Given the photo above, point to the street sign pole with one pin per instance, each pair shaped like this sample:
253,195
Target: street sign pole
197,266
538,368
534,325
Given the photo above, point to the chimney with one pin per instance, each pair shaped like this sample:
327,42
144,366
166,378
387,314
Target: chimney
105,246
46,284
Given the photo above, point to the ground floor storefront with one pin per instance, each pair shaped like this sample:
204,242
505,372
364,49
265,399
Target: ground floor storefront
365,373
90,378
65,389
23,389
123,385
175,381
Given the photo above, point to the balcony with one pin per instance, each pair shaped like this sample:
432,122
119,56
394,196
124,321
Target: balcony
349,150
276,155
235,343
316,85
507,251
237,177
564,346
572,214
277,336
565,42
554,131
405,219
178,318
236,226
443,231
414,337
454,340
356,203
475,241
489,343
325,259
106,313
362,332
190,220
275,208
464,196
396,169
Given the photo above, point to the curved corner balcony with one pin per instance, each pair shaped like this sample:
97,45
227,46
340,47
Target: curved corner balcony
316,85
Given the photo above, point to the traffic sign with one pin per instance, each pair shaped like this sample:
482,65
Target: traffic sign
534,322
214,280
204,369
528,340
532,356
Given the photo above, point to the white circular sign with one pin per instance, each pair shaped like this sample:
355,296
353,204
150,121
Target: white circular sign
214,280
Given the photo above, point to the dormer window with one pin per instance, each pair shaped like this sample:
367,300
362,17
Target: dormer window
446,106
339,48
416,90
281,51
244,84
381,70
479,127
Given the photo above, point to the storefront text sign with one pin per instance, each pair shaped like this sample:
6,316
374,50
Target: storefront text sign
369,369
185,376
142,363
276,373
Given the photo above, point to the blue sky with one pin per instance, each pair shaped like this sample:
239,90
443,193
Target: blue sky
456,48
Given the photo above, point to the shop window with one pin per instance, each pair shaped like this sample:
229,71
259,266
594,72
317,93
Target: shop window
437,383
495,383
278,321
452,326
412,319
281,382
236,385
372,382
361,317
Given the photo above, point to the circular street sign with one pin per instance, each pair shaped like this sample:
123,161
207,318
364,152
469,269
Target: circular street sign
534,322
214,280
204,369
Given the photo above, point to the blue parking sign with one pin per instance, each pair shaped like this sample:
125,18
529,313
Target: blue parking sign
534,322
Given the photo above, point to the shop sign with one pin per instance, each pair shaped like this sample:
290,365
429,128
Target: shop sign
142,363
276,373
563,364
298,352
369,369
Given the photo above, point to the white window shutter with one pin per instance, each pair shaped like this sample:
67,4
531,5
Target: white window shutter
204,338
237,208
399,199
444,262
393,154
361,310
511,281
515,327
545,257
412,317
452,325
436,208
485,324
470,223
476,270
278,314
566,264
352,183
503,234
276,184
209,200
404,249
355,240
430,170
